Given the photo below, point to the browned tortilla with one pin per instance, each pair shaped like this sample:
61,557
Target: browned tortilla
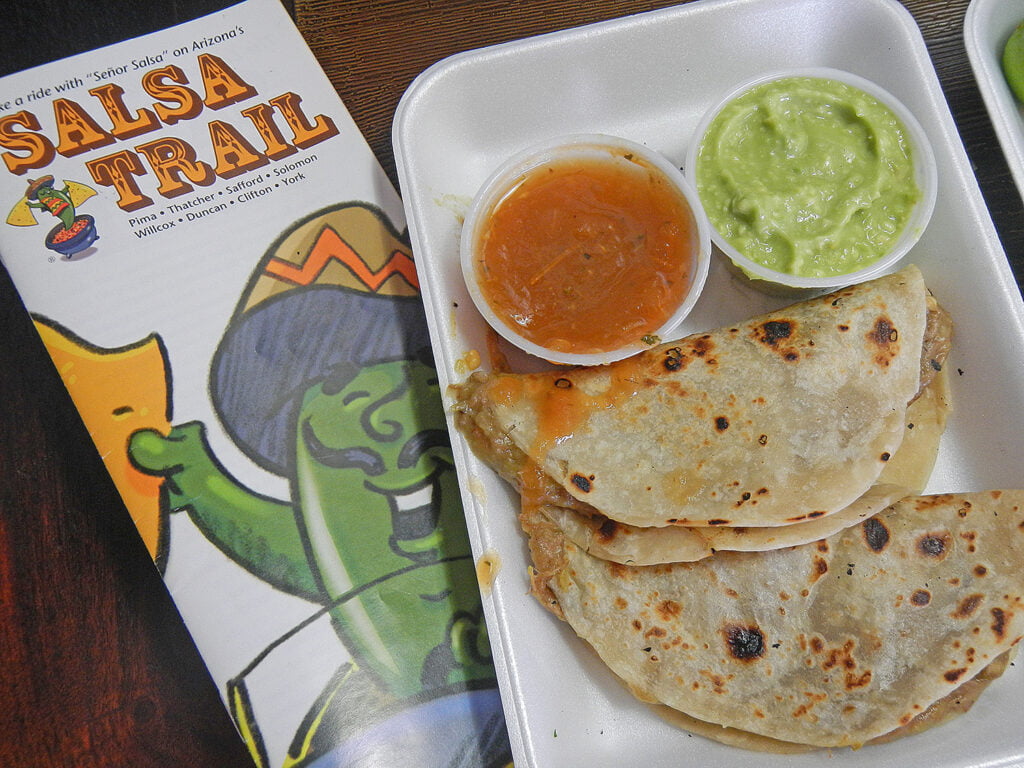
906,473
784,418
832,643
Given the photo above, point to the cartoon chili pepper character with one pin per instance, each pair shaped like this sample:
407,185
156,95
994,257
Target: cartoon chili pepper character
76,232
333,386
57,202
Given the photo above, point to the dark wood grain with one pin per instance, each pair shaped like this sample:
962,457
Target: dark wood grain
96,668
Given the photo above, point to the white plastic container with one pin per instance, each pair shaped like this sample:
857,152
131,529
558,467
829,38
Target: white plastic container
566,149
651,77
987,26
925,177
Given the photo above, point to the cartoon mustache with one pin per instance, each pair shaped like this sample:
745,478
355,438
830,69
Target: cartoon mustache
367,459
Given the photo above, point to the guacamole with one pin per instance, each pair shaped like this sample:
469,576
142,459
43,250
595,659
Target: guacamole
807,176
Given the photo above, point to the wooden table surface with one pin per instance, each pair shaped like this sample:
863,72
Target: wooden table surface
96,668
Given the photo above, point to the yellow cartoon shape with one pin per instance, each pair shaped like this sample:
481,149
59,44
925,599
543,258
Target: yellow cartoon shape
119,391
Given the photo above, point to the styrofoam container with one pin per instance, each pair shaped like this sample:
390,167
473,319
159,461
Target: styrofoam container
987,27
925,177
567,148
650,78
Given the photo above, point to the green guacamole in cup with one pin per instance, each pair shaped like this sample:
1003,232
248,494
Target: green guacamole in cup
807,176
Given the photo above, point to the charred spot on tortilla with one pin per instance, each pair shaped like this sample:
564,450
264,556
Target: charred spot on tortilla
934,545
930,502
819,569
718,521
774,331
967,607
669,609
969,537
920,597
745,643
809,516
876,535
674,359
998,622
980,570
840,656
718,682
886,337
884,332
853,681
655,631
582,482
608,529
721,423
563,383
885,456
954,674
744,498
703,346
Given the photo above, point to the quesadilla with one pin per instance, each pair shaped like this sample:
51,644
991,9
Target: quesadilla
783,419
945,709
871,631
630,545
906,473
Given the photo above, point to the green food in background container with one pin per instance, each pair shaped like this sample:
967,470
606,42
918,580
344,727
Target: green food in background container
1013,61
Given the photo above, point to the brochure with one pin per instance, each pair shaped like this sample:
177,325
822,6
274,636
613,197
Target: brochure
220,271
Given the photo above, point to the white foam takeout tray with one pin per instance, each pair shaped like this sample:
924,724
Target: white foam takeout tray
649,78
987,26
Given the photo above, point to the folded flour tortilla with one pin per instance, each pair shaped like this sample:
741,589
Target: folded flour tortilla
630,545
832,643
762,453
906,473
942,711
782,419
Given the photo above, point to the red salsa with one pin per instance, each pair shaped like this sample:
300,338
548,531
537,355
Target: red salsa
63,235
588,255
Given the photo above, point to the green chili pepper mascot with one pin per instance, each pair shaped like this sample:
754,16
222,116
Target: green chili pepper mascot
324,376
75,232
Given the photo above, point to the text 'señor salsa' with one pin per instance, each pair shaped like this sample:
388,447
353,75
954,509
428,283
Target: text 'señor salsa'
586,255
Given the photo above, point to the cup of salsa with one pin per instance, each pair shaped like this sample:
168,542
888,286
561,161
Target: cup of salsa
585,249
812,178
